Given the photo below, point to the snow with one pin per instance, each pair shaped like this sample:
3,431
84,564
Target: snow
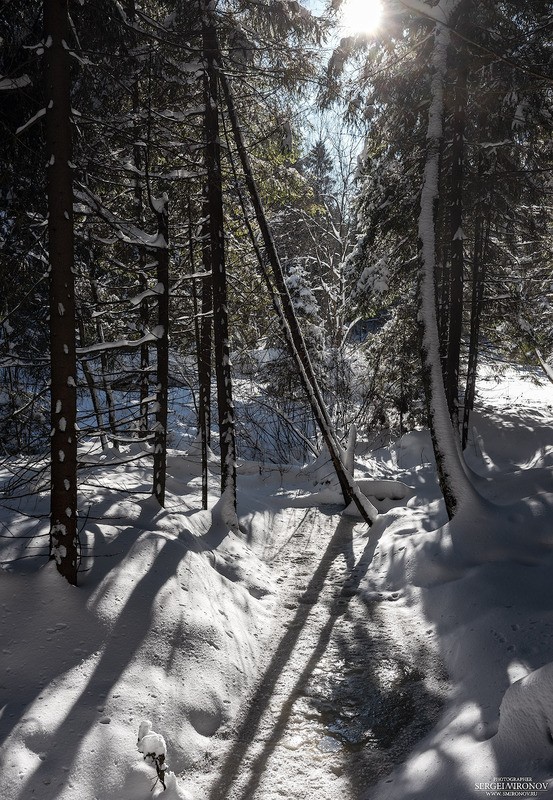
180,611
159,204
31,121
100,347
8,84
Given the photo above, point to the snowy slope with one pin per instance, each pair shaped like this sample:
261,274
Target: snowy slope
483,584
176,616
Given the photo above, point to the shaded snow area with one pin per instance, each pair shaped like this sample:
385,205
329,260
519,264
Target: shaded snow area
303,656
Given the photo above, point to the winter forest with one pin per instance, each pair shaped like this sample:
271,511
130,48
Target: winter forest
276,401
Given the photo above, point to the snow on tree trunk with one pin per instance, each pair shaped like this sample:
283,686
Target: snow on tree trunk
63,364
349,458
454,482
204,358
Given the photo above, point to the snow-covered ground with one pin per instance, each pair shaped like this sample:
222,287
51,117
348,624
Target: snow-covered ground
303,657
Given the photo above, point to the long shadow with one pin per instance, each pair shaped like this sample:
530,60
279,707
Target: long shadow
124,641
385,683
53,659
341,543
506,642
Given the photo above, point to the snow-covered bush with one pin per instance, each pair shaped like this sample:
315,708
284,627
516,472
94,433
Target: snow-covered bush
152,746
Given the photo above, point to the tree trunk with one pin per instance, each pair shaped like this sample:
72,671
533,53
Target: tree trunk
284,307
218,268
161,208
106,384
93,391
64,544
481,234
453,480
455,327
206,327
203,312
144,310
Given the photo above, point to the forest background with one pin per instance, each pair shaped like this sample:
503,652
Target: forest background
253,263
180,184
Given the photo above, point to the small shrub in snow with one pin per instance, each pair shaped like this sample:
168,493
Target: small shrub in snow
152,746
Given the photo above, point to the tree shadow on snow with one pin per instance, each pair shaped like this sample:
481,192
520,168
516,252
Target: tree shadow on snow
63,744
340,545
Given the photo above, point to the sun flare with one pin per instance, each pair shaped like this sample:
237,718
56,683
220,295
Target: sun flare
361,16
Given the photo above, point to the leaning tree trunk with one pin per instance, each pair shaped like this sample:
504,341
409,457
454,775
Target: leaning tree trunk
214,198
453,479
283,305
64,545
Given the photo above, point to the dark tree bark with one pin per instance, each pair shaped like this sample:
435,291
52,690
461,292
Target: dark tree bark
161,208
138,192
92,388
294,338
203,314
481,235
204,366
214,199
455,327
64,545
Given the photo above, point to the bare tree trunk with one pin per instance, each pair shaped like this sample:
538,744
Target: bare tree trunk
144,311
204,372
481,234
218,268
292,332
106,385
203,312
162,345
455,327
64,544
90,382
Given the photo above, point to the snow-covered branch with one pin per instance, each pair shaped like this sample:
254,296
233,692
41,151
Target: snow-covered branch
125,231
9,84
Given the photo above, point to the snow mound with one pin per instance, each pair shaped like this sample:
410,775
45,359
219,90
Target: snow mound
524,740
